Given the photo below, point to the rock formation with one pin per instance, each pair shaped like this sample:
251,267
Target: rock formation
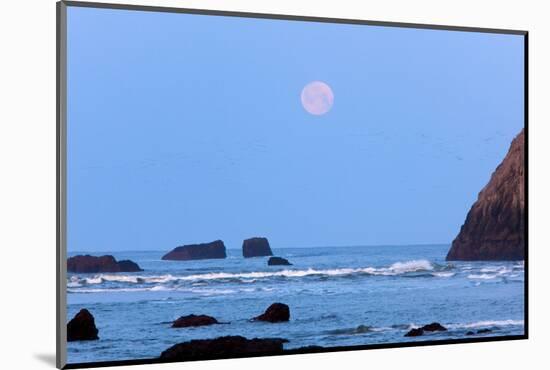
82,327
222,347
278,261
277,312
484,331
215,249
194,320
480,331
256,247
495,225
416,332
92,264
434,326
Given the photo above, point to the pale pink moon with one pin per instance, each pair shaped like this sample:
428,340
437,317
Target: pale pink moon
317,98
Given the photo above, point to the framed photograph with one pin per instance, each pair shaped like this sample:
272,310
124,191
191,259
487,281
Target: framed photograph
240,185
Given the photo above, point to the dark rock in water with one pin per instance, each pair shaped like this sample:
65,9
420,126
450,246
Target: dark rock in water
361,329
128,266
92,264
82,327
277,312
416,332
278,261
194,320
222,347
215,249
305,349
256,247
470,333
495,225
484,331
434,326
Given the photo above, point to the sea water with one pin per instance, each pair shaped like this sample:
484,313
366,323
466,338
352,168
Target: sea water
338,296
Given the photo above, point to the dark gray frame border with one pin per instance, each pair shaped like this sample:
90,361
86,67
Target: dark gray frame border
225,13
61,172
61,186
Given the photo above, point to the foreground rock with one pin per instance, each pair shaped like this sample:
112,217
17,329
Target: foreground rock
416,332
256,247
278,261
222,347
215,249
495,225
305,349
82,327
480,331
484,331
194,320
277,312
92,264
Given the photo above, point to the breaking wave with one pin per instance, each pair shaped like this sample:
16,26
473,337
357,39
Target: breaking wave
484,324
161,288
361,329
398,268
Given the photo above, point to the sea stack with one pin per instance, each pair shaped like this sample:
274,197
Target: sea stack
495,225
256,247
82,327
278,261
215,249
277,312
91,264
194,320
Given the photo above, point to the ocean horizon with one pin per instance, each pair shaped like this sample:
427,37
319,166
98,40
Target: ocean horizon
239,248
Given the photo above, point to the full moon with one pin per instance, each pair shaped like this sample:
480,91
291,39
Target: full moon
317,98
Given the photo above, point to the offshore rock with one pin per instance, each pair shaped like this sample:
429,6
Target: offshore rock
82,327
215,249
107,263
256,247
278,261
277,312
194,320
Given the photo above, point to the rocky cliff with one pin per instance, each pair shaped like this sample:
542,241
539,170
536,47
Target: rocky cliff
495,225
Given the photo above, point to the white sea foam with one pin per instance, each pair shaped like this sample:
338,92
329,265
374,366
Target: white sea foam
501,270
250,277
443,274
106,290
489,269
411,266
158,288
488,323
482,276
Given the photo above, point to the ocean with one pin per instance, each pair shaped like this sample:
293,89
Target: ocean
338,296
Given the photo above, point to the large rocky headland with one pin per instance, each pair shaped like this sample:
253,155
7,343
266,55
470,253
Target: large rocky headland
495,225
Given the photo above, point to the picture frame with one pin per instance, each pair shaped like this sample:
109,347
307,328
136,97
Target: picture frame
62,157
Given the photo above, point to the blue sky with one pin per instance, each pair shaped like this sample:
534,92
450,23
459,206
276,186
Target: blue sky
187,128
